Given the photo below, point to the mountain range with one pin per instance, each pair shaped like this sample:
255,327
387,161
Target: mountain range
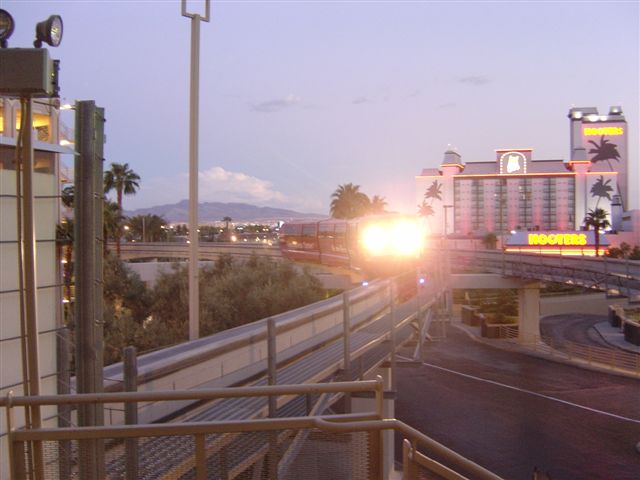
210,212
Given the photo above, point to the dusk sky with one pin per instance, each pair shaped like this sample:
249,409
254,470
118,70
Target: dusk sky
300,97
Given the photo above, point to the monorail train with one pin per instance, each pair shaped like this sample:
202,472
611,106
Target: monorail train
375,244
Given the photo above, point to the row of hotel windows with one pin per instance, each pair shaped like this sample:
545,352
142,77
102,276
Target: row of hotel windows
499,210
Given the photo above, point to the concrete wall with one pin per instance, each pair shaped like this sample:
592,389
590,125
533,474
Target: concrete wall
594,303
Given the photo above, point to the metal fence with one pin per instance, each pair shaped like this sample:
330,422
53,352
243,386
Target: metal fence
343,446
605,357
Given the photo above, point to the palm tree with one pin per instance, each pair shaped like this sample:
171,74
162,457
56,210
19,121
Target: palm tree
434,192
112,224
601,189
378,205
425,210
124,181
605,150
349,202
597,218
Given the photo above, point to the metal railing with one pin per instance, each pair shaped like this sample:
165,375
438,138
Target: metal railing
605,357
348,445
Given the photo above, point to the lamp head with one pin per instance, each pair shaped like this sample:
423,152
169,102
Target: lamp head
6,27
49,31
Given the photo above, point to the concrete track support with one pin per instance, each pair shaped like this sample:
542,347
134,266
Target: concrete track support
529,312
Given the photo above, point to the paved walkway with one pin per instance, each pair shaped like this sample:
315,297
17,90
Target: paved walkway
614,337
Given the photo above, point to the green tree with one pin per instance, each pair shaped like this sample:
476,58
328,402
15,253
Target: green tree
112,224
597,219
349,202
490,241
125,182
378,205
148,228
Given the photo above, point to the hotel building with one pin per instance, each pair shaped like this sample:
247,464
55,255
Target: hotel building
516,191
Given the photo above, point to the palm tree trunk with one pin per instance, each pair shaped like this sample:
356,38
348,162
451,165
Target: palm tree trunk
119,199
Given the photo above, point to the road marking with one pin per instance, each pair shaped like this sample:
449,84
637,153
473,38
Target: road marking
511,387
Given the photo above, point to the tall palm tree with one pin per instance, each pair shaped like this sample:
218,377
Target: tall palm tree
112,224
125,182
597,218
349,202
378,204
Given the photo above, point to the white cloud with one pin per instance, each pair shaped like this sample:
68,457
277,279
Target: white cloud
271,106
214,185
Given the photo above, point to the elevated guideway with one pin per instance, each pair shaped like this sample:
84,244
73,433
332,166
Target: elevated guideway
208,250
619,277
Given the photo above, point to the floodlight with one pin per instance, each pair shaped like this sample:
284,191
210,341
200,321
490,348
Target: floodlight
6,27
49,31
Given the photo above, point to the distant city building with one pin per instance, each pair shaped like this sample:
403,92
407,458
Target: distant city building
515,191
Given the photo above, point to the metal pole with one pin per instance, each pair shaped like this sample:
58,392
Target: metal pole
346,327
64,387
28,252
131,411
392,343
194,292
273,399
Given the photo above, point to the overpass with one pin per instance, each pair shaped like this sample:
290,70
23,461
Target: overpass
352,337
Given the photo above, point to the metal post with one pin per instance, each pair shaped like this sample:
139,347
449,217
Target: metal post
273,399
392,342
346,327
64,387
88,306
28,253
194,88
131,411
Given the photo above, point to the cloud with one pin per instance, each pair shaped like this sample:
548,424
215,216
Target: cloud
475,80
214,185
272,106
447,105
360,100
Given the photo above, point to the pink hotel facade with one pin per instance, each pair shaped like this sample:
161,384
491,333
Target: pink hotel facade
516,191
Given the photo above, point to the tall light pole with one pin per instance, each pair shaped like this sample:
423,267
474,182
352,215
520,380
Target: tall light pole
194,293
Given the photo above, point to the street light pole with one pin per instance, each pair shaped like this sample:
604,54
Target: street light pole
194,293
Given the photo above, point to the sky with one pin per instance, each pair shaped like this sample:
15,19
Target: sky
299,97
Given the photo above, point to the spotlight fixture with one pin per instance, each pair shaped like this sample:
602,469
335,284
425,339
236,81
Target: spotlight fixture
49,31
6,27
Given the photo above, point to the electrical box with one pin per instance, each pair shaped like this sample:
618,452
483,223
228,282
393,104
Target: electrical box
28,71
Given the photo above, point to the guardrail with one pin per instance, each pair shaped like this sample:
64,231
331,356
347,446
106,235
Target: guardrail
609,358
207,250
236,355
617,276
353,444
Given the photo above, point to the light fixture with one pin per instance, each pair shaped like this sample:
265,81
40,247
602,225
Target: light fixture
49,31
6,27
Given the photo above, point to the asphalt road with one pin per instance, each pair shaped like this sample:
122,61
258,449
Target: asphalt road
573,327
510,412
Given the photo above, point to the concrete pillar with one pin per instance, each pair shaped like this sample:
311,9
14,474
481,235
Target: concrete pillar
529,312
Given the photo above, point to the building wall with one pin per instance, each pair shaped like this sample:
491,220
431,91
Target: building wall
46,211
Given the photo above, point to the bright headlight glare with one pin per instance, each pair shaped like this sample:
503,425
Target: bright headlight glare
406,238
375,239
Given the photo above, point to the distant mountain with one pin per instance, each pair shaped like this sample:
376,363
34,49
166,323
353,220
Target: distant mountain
210,212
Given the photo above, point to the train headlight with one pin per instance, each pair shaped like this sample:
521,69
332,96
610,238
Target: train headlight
375,239
406,238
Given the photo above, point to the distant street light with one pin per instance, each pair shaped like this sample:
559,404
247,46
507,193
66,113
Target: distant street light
194,293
